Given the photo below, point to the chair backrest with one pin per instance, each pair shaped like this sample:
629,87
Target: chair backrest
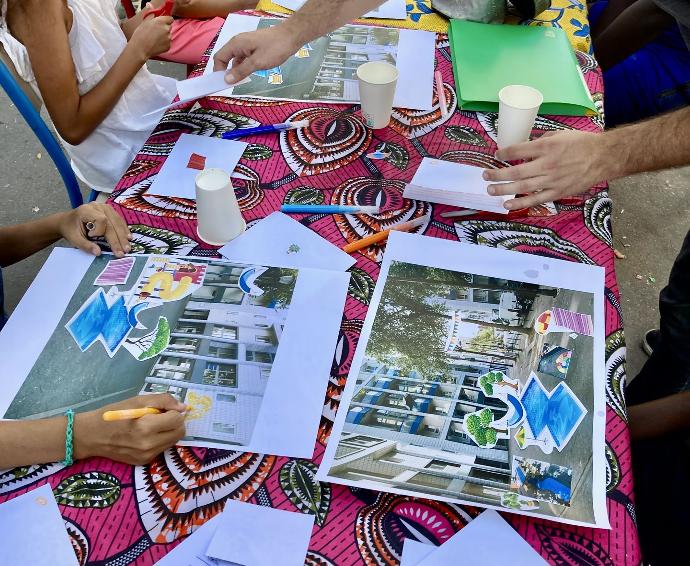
29,105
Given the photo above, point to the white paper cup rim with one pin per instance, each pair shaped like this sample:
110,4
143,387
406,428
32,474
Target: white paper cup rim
213,179
378,73
521,97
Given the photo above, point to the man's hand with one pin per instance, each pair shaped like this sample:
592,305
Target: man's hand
256,50
556,166
134,441
106,222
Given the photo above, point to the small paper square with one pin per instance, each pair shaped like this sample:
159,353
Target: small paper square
244,531
197,161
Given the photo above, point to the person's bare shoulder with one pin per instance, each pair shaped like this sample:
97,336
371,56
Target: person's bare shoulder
26,19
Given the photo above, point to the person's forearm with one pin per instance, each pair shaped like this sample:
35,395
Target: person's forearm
660,143
200,9
27,442
319,17
661,417
22,240
94,106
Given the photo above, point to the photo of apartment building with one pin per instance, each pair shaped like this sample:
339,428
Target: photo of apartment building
407,432
220,356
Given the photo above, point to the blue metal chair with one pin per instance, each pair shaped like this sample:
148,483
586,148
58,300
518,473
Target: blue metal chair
45,136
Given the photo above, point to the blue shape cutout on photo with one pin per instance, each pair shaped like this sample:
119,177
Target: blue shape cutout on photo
99,321
559,412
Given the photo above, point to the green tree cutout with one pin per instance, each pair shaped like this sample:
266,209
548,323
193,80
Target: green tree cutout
494,378
479,429
278,285
152,344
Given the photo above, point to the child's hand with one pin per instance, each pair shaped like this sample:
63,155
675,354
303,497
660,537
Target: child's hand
92,220
152,36
134,441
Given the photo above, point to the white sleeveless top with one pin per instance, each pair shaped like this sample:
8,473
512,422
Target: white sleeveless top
97,40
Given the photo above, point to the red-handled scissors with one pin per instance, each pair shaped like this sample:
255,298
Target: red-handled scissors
165,10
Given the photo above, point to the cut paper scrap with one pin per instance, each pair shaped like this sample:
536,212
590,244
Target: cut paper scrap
555,360
489,540
240,535
196,162
102,319
512,500
152,344
575,321
33,531
176,179
281,241
197,87
166,279
551,417
542,481
116,272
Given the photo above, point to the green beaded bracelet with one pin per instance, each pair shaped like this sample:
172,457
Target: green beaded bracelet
69,434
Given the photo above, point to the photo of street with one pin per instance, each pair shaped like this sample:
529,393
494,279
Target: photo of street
450,394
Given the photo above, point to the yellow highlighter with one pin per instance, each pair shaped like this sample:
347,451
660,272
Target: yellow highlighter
126,414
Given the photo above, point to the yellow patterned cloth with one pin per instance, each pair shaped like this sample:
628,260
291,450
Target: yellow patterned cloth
570,15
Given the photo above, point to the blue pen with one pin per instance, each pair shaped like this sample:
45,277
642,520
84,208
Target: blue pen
328,209
241,132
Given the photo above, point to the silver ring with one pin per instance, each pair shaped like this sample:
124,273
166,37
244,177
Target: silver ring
90,226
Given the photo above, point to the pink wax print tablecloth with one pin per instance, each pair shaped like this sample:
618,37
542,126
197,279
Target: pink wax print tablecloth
118,514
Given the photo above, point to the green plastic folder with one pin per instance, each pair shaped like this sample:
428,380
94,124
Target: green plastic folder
487,57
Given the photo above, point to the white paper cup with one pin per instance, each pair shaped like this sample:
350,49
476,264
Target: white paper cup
219,218
518,106
377,82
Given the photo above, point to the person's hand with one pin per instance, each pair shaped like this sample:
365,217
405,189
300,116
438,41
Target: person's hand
556,165
152,35
256,51
133,441
73,226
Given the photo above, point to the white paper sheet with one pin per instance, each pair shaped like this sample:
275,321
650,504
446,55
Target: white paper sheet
455,184
255,535
414,59
175,179
33,531
575,282
192,550
279,240
414,552
486,541
390,10
197,87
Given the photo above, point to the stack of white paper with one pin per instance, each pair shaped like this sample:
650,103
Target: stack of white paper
455,184
33,531
239,535
486,541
